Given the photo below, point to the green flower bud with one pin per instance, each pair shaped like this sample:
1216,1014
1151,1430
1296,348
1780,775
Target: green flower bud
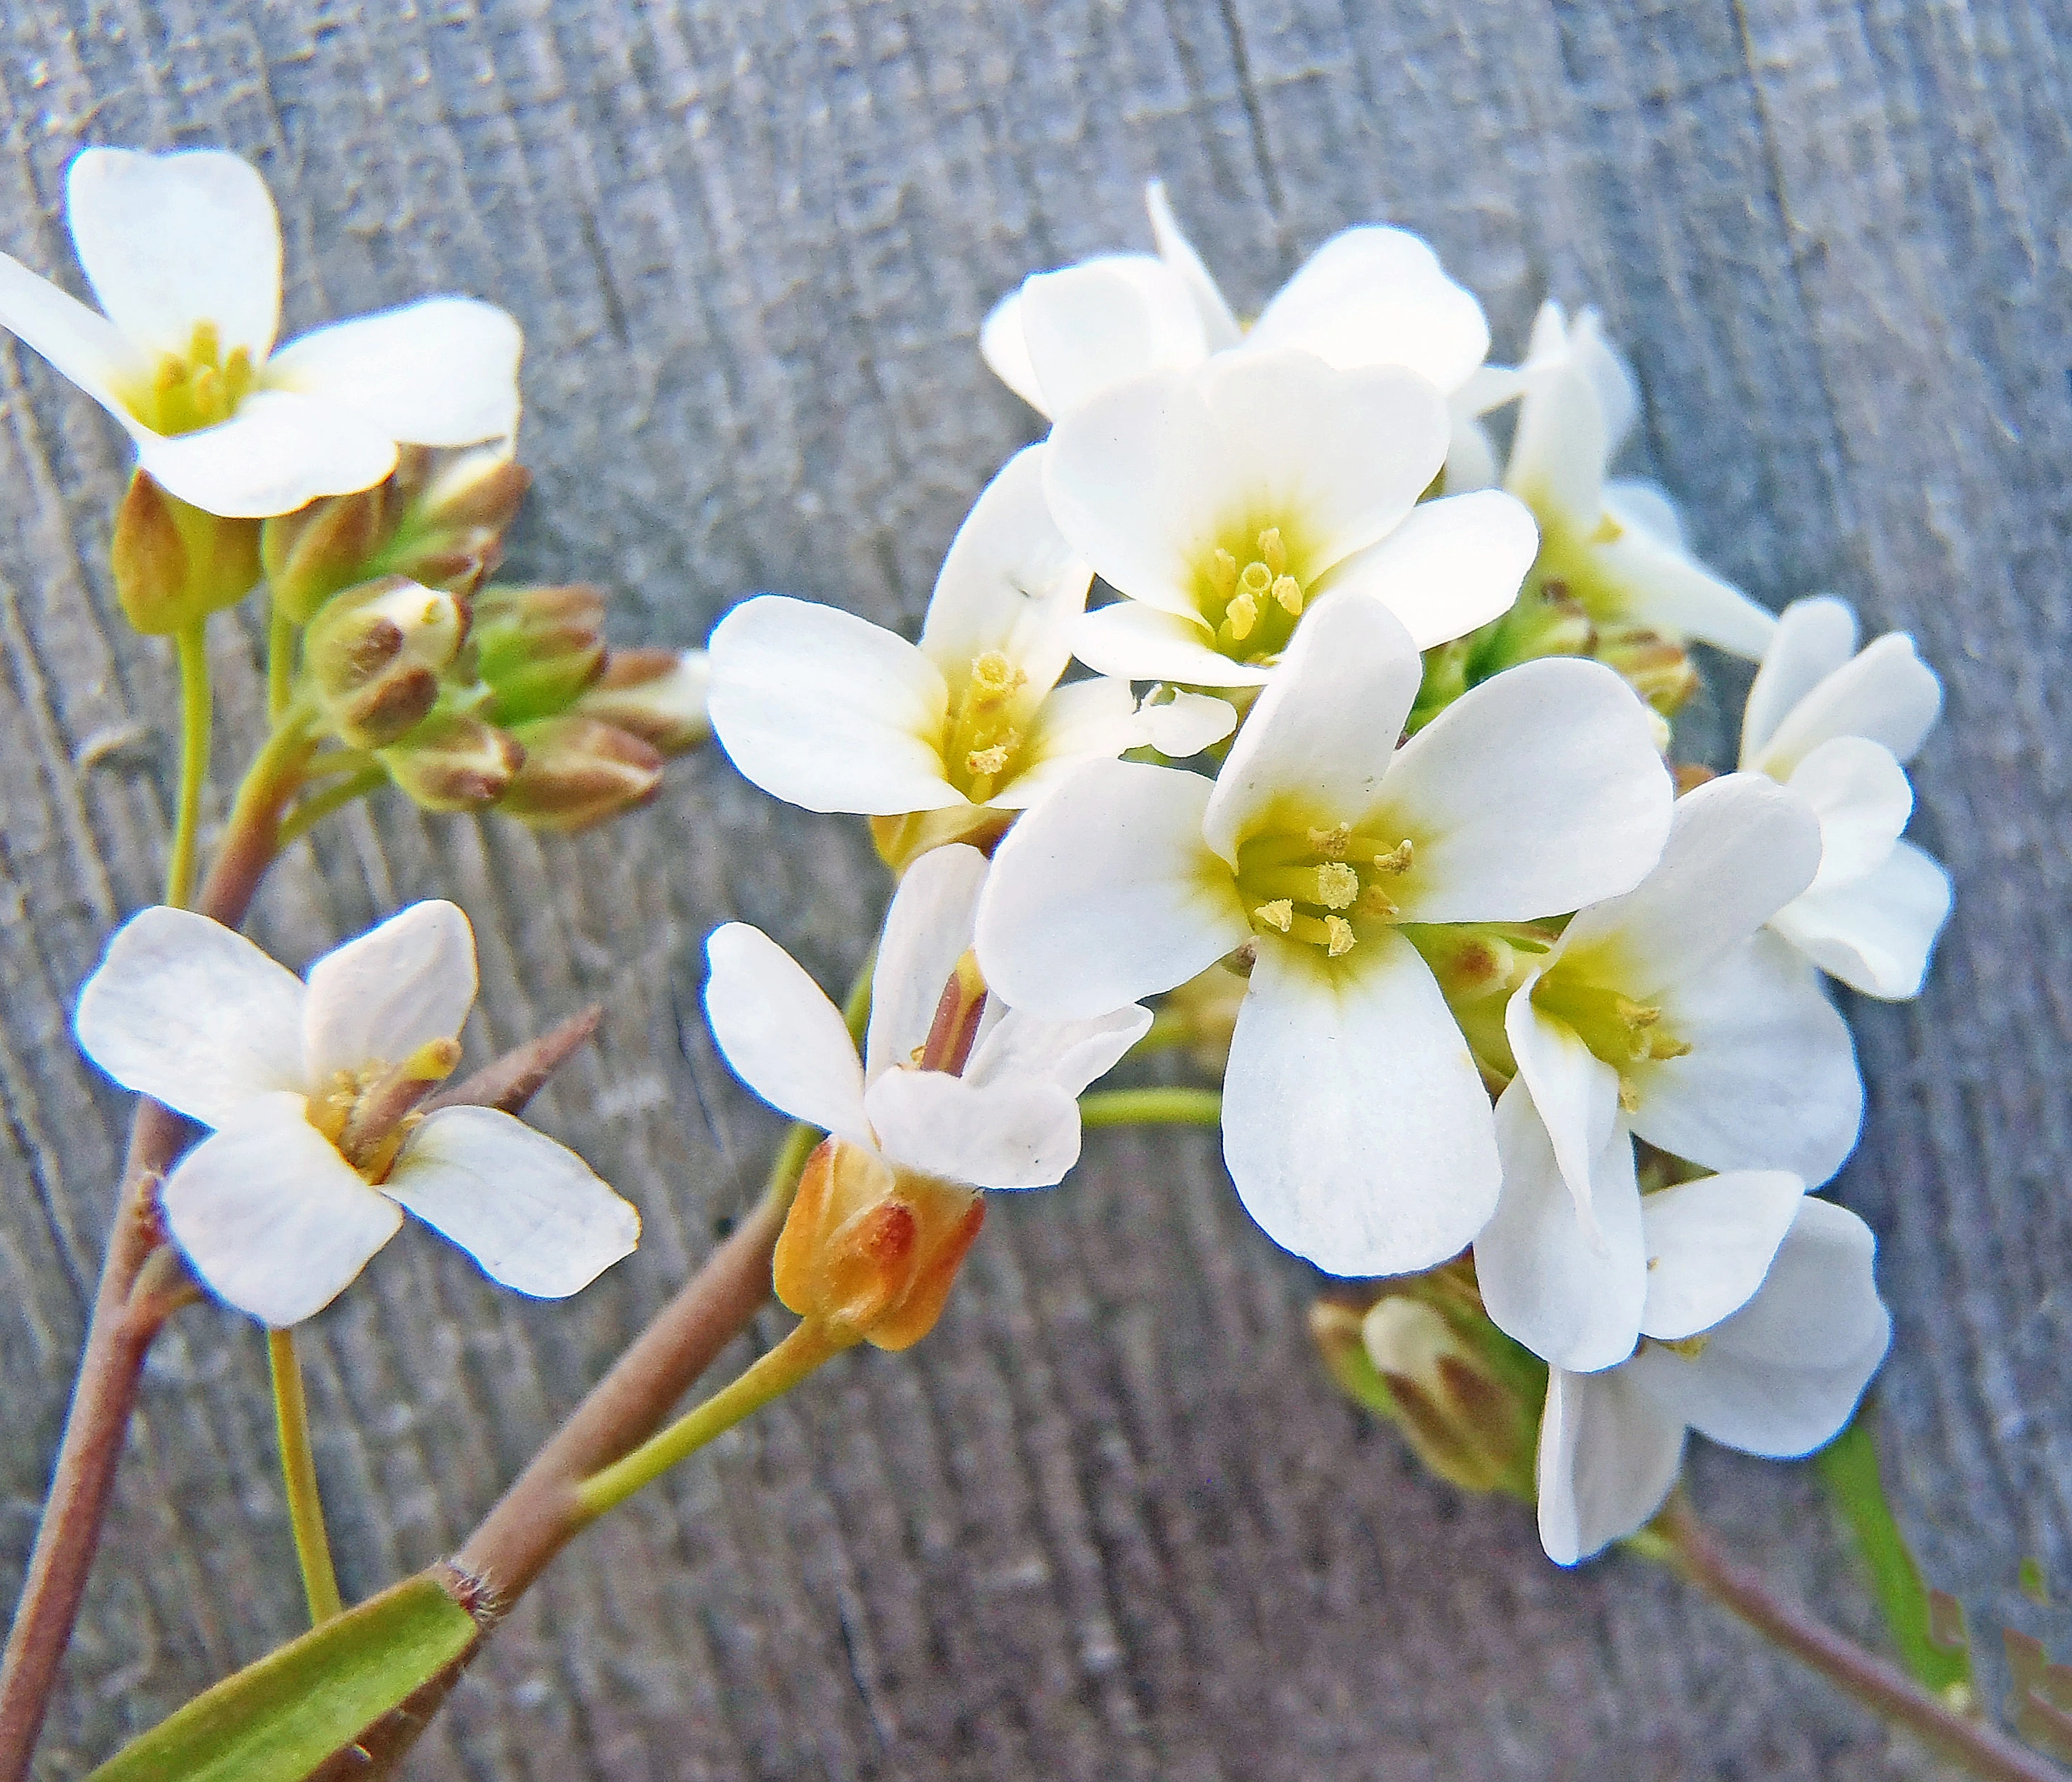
374,659
454,761
660,695
453,509
176,565
538,647
322,548
578,770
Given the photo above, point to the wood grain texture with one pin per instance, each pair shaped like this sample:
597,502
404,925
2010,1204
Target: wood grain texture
1108,1521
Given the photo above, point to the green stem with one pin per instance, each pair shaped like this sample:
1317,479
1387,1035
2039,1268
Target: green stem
191,646
1151,1107
314,809
280,662
776,1374
298,1471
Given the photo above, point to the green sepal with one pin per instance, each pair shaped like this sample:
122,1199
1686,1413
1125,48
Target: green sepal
277,1720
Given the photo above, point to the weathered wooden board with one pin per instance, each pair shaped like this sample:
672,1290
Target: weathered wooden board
1109,1520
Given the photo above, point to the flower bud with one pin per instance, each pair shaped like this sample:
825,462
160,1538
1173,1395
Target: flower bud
578,770
322,548
660,695
537,647
455,761
454,508
176,565
374,657
1465,1397
870,1251
1660,670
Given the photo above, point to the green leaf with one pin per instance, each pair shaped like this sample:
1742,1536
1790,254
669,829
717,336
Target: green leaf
277,1720
1849,1466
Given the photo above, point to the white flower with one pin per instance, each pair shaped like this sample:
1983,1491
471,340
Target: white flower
316,1154
826,710
954,1082
1616,547
183,251
1833,723
1369,297
1355,1124
1769,1356
1223,500
1667,1014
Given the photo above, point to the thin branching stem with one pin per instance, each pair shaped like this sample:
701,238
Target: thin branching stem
191,648
298,1474
1156,1106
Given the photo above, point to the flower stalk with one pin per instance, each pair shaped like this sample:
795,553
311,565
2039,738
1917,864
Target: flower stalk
298,1474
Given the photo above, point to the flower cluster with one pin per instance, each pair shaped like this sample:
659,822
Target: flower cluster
1507,1007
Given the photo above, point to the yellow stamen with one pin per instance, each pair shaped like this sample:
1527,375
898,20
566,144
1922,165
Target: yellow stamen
1341,933
1331,843
1397,859
1279,913
1272,552
1288,592
1336,886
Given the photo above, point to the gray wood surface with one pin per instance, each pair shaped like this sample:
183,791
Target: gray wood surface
1109,1520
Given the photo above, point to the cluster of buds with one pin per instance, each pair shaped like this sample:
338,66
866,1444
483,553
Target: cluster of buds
469,695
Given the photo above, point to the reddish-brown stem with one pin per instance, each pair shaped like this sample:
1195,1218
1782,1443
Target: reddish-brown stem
1979,1748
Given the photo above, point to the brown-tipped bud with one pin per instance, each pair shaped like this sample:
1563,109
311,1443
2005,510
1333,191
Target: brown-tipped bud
173,563
1466,1398
870,1251
1660,670
902,840
537,647
660,695
456,507
455,761
374,657
579,770
324,548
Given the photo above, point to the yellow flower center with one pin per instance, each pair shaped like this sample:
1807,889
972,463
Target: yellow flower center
979,751
1321,886
1250,593
201,388
1621,1032
368,1110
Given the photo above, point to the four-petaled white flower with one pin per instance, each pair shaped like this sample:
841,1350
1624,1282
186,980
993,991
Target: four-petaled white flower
1667,1014
1763,1326
1835,723
183,251
317,1151
954,1082
1355,1124
1370,296
1224,499
828,711
1616,547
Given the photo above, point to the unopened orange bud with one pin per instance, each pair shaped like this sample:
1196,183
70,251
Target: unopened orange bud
870,1251
173,563
660,695
455,761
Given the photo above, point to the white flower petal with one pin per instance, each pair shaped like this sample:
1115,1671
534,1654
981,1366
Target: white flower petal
1771,1082
1070,1054
1533,794
1017,1134
270,1217
1574,1301
1010,583
1179,724
1861,795
1006,350
377,999
1378,296
81,345
781,1035
1562,444
1814,637
1886,694
1784,1374
1091,326
1646,507
192,1014
1104,894
1575,1095
1875,933
1739,848
1453,564
1081,721
1488,387
1470,454
1335,458
1607,1456
440,371
1355,1125
1316,745
1709,1245
1666,589
531,1212
826,710
1134,640
1220,328
1618,395
927,930
168,240
280,452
